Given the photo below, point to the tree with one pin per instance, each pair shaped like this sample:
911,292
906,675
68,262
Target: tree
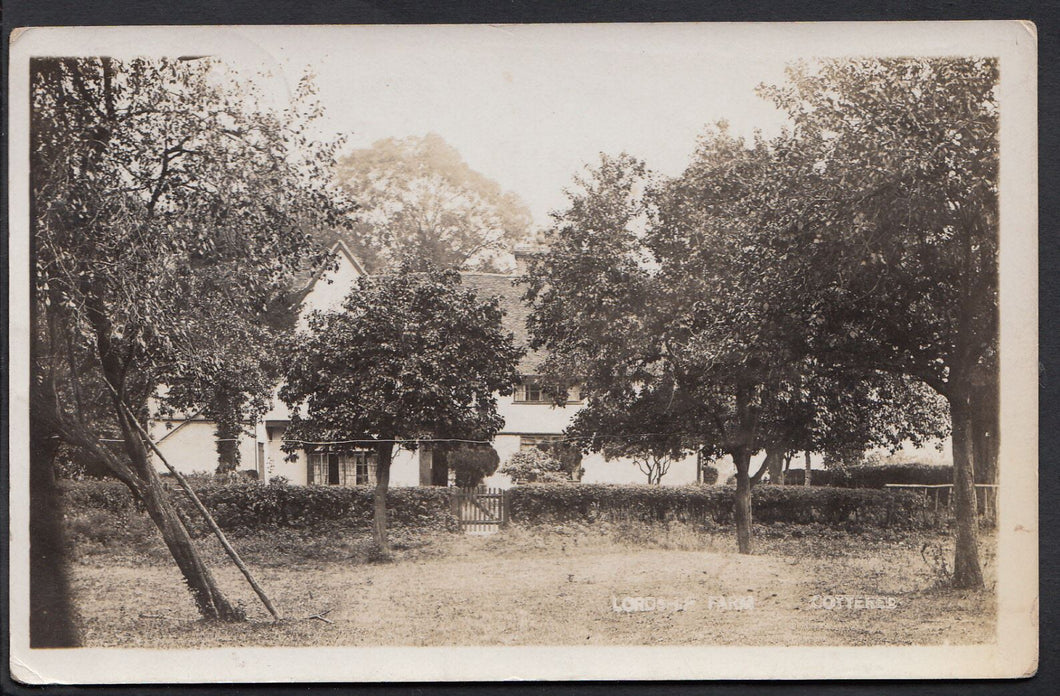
894,198
168,210
419,201
681,304
646,427
535,466
410,356
472,463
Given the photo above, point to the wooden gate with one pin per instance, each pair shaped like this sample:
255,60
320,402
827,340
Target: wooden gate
480,510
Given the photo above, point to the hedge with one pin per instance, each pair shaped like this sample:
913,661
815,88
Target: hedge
550,503
245,507
873,476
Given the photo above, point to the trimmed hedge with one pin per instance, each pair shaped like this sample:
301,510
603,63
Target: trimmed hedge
246,507
869,476
874,476
551,503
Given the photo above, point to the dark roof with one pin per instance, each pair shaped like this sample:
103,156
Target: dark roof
516,311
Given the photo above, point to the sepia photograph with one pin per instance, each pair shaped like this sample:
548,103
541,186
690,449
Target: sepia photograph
484,352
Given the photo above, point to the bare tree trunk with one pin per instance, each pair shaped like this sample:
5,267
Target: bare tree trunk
742,459
211,602
51,616
775,465
808,470
209,599
967,572
227,448
384,453
986,443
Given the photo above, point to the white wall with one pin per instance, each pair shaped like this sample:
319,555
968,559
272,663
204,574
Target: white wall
192,447
330,290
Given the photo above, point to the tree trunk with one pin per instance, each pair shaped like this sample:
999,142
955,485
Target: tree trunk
51,620
808,470
384,453
742,459
227,446
209,599
967,572
986,443
775,465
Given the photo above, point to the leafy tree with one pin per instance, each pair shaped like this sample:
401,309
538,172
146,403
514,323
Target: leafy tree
646,427
168,211
472,463
410,356
680,304
535,466
893,202
419,201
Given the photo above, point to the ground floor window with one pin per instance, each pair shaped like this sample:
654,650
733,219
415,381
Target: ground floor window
543,442
341,468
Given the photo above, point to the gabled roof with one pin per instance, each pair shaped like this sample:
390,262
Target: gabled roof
510,298
307,277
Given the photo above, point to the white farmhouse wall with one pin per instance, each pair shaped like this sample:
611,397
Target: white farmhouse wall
330,289
191,447
405,468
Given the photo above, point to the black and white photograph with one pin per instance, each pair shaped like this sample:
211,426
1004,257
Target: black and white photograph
673,351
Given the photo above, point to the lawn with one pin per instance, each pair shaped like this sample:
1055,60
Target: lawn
548,586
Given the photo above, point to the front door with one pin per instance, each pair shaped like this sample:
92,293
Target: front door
439,467
333,468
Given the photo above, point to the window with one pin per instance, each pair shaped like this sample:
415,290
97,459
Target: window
531,391
341,468
544,442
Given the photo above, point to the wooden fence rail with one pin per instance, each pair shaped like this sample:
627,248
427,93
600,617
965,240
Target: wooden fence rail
938,500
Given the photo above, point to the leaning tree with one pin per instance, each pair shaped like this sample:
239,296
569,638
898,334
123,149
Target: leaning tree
410,356
169,211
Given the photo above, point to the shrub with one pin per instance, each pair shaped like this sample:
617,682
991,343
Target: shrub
472,463
874,476
710,475
867,476
97,494
535,466
549,504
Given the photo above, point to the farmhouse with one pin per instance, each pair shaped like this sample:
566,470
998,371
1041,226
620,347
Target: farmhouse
530,417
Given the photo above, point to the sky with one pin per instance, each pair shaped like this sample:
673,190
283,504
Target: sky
527,106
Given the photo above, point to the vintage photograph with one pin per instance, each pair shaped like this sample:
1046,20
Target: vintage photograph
467,342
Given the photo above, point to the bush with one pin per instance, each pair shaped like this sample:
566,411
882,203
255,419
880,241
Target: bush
248,507
548,504
535,466
873,476
710,475
867,476
472,463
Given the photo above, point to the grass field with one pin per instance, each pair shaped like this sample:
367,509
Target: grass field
554,586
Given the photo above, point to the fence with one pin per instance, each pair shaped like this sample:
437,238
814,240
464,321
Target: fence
938,501
481,510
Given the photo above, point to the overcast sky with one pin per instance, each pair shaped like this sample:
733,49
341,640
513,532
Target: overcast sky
530,105
527,107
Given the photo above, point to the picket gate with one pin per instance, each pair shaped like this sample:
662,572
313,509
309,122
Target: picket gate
481,510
